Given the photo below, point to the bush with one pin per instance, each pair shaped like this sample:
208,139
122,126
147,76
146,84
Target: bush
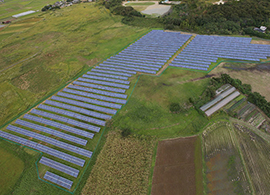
175,108
125,132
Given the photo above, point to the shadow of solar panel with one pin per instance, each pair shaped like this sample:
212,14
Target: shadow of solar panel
59,125
59,166
52,132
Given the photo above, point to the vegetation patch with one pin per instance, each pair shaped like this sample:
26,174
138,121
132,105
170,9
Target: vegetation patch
122,166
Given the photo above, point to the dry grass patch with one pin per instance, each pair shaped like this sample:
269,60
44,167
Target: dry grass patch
122,167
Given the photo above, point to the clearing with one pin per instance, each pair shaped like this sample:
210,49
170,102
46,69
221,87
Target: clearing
175,171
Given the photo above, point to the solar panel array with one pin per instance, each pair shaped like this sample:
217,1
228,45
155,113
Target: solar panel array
146,55
63,125
205,49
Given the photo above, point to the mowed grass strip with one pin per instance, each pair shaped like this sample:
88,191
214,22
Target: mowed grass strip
139,4
11,169
122,167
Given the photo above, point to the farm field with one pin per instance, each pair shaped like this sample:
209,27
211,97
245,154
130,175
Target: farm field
54,51
255,151
119,159
259,79
224,171
12,7
175,170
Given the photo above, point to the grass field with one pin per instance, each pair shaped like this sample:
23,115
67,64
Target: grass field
147,111
12,7
11,167
122,166
55,50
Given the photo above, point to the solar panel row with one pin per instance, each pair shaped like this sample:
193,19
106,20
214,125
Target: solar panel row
59,166
51,141
61,181
106,79
59,125
66,120
107,75
104,83
44,149
51,132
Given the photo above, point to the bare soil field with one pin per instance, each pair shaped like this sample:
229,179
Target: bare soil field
258,79
174,172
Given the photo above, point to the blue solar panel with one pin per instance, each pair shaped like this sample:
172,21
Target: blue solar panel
59,125
99,87
44,149
72,114
116,69
111,72
78,109
107,75
84,99
51,141
104,83
59,166
61,181
66,120
98,91
85,105
104,98
106,79
52,132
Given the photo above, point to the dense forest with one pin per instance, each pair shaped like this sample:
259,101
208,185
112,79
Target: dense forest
233,17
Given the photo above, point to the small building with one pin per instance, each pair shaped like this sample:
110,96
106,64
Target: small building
262,29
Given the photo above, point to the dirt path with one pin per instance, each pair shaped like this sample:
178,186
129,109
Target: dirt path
175,55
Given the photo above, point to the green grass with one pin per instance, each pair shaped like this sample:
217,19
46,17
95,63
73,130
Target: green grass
65,44
148,111
139,4
11,167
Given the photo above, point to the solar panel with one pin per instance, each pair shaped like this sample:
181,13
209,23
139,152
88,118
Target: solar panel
52,132
104,83
59,166
72,114
99,87
66,120
61,181
59,125
106,79
78,109
44,149
104,98
51,141
85,105
84,99
107,75
111,72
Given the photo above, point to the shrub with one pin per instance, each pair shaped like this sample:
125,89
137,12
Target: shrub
175,108
125,132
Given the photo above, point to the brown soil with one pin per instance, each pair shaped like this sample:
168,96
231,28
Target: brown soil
174,172
264,42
